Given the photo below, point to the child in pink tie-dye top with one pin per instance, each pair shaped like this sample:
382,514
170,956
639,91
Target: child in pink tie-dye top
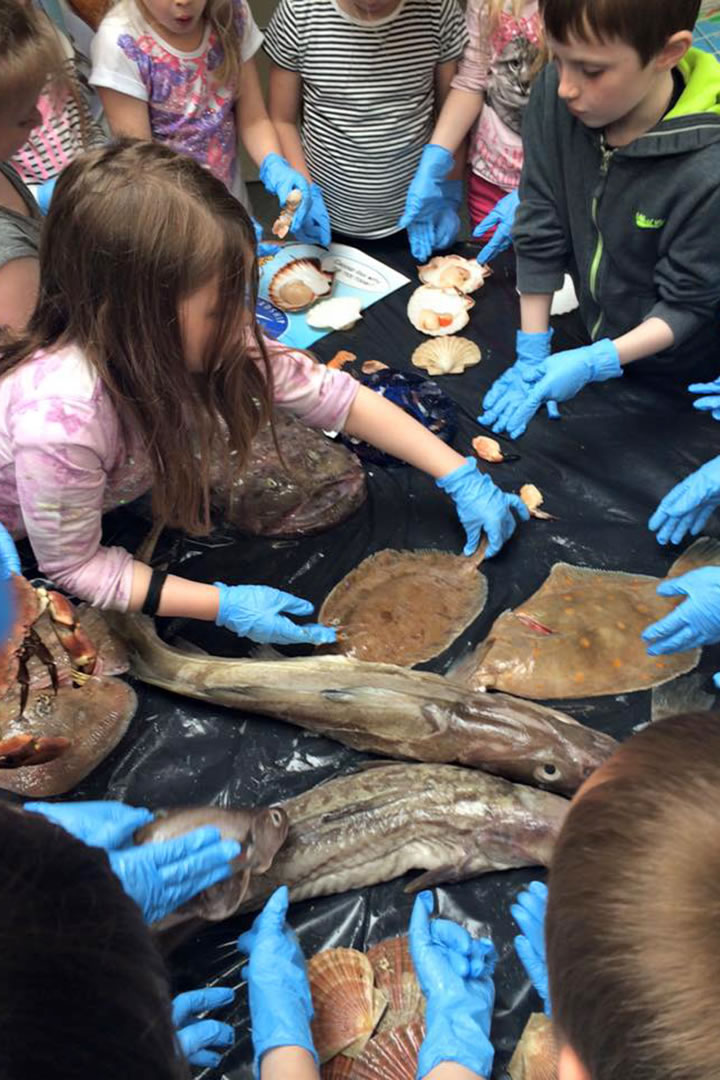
142,354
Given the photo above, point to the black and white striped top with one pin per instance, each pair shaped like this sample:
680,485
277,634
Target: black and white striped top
368,99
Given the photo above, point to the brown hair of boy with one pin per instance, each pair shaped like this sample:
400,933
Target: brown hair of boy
30,51
633,917
83,993
646,25
134,229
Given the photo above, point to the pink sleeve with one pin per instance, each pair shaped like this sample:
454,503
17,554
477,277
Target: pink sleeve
319,396
61,453
474,67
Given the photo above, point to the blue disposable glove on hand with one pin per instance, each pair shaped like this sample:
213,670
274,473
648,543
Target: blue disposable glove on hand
161,876
9,565
108,825
511,388
438,228
503,216
565,374
316,227
688,505
711,401
482,505
263,248
694,622
426,193
455,975
279,178
195,1036
280,1003
529,913
256,612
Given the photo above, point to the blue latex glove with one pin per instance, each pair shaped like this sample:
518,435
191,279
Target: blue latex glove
256,612
160,877
482,505
197,1036
426,193
438,228
9,565
108,825
688,505
528,911
694,622
460,996
44,194
279,178
263,248
316,227
511,388
710,402
503,216
565,374
280,1003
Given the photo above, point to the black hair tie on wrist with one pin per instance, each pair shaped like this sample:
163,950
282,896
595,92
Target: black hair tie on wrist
155,588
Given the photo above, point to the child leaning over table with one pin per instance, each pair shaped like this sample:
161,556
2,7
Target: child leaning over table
365,78
620,187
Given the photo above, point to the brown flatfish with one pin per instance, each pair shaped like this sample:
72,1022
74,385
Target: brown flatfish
405,607
579,635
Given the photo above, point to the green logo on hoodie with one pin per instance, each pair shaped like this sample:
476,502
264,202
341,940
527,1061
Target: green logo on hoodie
644,222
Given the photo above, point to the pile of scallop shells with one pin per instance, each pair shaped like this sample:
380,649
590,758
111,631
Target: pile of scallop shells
369,1012
441,305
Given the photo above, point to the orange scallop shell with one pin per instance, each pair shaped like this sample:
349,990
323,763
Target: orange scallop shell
338,1068
395,976
347,1004
392,1055
535,1056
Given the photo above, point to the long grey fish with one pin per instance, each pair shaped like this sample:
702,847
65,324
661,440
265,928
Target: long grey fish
388,710
261,831
372,826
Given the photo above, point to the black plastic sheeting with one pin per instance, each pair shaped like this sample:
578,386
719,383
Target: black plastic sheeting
618,449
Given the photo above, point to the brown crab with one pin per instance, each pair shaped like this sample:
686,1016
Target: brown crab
58,714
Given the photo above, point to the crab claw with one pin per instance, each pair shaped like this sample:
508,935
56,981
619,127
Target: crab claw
70,633
19,750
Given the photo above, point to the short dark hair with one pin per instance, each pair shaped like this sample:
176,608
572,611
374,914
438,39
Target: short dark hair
83,989
633,946
644,24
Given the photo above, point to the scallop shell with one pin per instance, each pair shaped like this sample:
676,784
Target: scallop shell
454,272
395,976
392,1055
535,1056
347,1005
338,1068
298,284
340,313
446,355
438,311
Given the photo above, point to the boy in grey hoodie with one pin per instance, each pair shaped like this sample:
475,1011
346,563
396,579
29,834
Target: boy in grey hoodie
620,187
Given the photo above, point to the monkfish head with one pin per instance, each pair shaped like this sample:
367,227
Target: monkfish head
261,832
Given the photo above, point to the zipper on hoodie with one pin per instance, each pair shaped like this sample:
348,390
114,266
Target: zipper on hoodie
606,158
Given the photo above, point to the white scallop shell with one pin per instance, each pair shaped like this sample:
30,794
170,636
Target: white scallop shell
298,284
428,305
340,313
446,355
454,272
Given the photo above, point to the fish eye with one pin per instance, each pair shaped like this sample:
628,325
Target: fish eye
276,816
547,771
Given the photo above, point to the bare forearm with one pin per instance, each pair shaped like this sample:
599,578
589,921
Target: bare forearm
259,138
449,1070
459,112
179,596
292,147
535,312
384,425
650,337
290,1063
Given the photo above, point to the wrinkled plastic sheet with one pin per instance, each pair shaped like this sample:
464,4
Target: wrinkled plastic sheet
603,468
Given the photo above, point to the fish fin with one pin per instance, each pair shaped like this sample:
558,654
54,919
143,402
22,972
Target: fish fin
244,883
266,652
704,552
189,647
440,876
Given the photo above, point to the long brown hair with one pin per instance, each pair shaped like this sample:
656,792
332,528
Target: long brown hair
31,52
133,229
225,19
633,919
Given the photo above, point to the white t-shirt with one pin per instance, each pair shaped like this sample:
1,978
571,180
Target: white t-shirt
368,99
188,109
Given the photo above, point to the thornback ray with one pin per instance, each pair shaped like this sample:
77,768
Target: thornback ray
405,607
579,635
388,710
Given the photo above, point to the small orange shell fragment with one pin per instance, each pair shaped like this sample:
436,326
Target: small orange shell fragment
533,499
487,449
341,358
371,366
